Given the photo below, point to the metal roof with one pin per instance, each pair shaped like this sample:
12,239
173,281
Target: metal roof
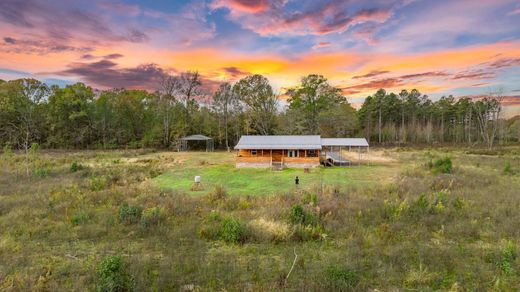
279,142
344,142
196,137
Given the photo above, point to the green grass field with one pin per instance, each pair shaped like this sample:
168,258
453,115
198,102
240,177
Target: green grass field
413,220
266,182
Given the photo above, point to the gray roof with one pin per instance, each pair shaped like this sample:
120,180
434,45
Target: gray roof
196,138
344,142
279,142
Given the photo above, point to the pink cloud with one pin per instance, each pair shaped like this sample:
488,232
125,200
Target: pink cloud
249,6
321,45
317,18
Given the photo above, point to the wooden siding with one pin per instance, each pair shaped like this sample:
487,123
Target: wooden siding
301,159
254,159
280,156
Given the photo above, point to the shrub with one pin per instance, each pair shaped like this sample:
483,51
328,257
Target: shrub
129,214
79,218
508,256
219,193
307,233
458,204
41,172
75,166
341,278
112,275
97,183
422,202
151,216
299,215
309,198
441,165
8,155
232,230
508,169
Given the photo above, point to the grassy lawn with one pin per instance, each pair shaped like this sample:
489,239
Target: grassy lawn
396,225
255,182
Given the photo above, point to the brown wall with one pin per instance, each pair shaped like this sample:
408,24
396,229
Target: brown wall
264,156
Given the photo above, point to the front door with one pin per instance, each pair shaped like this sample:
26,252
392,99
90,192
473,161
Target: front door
277,155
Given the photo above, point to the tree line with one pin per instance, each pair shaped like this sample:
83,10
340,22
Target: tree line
76,116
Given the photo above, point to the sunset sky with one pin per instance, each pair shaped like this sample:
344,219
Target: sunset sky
439,47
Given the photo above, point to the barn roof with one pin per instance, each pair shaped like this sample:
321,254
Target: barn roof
196,138
279,142
362,142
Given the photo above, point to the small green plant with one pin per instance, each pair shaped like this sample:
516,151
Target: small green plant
441,165
7,154
341,278
97,183
79,218
112,275
214,215
129,214
309,198
421,205
232,230
299,215
508,169
75,166
508,256
41,172
151,217
458,203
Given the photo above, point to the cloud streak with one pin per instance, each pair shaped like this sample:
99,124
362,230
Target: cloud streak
317,18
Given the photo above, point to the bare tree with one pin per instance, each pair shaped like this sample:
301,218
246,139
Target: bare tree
191,83
488,111
170,87
225,101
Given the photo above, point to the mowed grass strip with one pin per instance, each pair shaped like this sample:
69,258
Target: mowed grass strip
250,181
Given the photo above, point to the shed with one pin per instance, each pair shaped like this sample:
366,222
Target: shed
184,142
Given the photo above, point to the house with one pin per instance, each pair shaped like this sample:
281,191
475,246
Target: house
295,151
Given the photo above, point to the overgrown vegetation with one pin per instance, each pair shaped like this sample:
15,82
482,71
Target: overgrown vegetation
394,225
112,275
441,165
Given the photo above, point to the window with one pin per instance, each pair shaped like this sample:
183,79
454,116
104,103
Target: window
311,153
253,152
293,153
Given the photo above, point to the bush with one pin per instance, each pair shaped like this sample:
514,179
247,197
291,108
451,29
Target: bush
420,206
508,169
97,183
129,214
232,230
298,215
508,256
151,216
112,275
219,193
75,166
41,172
441,165
309,198
79,218
307,233
340,278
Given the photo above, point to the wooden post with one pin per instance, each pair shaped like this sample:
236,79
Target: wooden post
359,153
368,155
